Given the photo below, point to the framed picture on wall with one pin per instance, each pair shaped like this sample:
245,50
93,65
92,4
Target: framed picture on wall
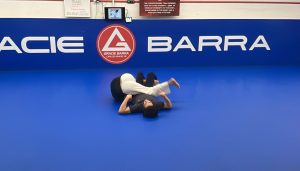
78,8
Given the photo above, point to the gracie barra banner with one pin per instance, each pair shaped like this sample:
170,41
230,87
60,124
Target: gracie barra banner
94,43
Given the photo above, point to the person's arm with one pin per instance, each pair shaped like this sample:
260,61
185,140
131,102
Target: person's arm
123,107
167,102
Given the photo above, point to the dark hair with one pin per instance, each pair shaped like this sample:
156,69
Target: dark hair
150,112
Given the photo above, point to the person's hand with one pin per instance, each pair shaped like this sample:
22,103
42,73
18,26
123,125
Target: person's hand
129,97
162,93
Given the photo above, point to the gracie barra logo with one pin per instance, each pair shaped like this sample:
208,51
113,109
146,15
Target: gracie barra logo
115,44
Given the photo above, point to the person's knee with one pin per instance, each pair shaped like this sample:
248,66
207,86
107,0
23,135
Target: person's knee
140,78
152,75
150,81
140,75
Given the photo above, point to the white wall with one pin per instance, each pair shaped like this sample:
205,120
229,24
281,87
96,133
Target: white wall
55,9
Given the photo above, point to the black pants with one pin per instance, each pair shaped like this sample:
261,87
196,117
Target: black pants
151,77
116,91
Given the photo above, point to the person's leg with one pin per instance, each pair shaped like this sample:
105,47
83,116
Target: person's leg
150,80
130,86
133,88
140,78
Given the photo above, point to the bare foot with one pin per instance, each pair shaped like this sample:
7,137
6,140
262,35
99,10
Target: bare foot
172,81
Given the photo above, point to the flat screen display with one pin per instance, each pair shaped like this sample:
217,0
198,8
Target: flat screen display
114,13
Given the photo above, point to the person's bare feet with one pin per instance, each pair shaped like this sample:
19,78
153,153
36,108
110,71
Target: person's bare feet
172,81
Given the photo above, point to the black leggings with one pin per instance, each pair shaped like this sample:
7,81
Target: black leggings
151,77
116,91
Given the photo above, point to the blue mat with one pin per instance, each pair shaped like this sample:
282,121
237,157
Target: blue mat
239,119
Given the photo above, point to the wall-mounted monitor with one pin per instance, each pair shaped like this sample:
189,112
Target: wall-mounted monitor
114,13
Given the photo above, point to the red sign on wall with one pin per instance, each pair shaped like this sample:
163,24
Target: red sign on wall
159,7
116,44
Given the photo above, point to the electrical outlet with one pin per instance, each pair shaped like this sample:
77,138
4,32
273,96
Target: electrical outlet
128,19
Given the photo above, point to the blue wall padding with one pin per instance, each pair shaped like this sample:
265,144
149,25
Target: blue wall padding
282,36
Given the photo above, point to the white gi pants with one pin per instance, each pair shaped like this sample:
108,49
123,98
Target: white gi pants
130,86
